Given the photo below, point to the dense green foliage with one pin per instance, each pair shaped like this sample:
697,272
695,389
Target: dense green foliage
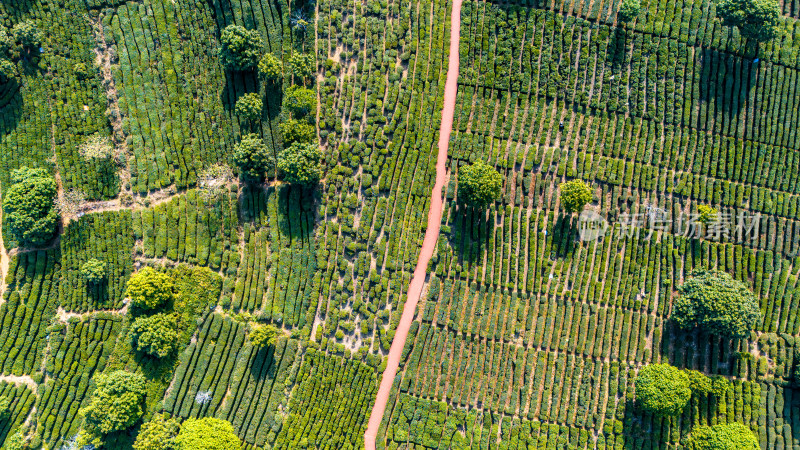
723,436
662,389
716,303
240,48
157,434
8,70
300,101
479,184
756,19
270,67
115,404
301,66
93,271
300,164
630,9
27,34
262,336
297,131
249,106
207,434
253,157
149,288
155,335
28,211
575,194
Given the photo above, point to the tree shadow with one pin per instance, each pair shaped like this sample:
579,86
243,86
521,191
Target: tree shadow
470,231
263,364
727,79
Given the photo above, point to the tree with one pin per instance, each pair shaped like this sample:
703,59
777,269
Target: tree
158,434
715,302
6,42
8,70
93,271
249,106
270,67
252,156
115,405
630,9
207,434
301,65
155,335
756,19
240,47
300,164
479,184
662,389
723,436
149,288
297,131
263,336
300,101
575,194
28,206
707,214
27,34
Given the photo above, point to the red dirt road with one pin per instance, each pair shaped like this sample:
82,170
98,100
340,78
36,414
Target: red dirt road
431,234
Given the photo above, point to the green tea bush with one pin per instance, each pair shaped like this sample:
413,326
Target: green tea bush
300,164
149,288
662,389
28,206
240,47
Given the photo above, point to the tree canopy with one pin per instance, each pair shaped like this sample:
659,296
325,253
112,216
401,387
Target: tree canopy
27,34
756,19
28,206
263,336
630,9
207,434
575,194
300,101
716,303
249,106
662,389
93,271
116,404
723,436
479,184
270,67
155,335
300,164
297,131
157,434
240,47
149,288
253,157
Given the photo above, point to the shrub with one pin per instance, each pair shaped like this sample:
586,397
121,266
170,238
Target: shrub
300,164
723,436
239,48
5,407
155,335
300,101
629,10
28,207
93,271
479,184
717,303
301,65
662,389
575,194
756,19
8,70
270,67
149,288
252,156
207,434
249,106
115,405
263,336
96,147
27,34
157,434
297,131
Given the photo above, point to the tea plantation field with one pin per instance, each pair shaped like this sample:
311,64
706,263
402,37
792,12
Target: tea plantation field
212,211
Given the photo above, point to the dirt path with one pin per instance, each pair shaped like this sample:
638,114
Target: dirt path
431,234
23,379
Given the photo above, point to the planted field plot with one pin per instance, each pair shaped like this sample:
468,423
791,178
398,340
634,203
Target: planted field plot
21,400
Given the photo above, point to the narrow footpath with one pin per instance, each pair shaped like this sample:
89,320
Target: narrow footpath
431,235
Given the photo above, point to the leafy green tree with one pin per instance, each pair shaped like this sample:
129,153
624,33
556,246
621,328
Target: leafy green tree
301,65
630,9
300,101
207,434
253,157
716,303
479,184
662,390
240,47
8,70
707,213
249,106
701,384
28,206
270,67
300,164
149,288
263,336
93,271
27,34
723,436
297,131
575,194
155,335
116,404
756,19
158,434
6,42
